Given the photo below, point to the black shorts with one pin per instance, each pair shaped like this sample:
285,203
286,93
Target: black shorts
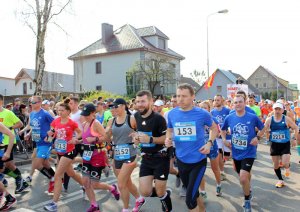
4,148
119,163
71,155
79,149
245,164
191,175
94,173
155,166
278,149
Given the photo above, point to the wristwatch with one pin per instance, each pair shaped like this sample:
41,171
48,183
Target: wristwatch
151,140
210,141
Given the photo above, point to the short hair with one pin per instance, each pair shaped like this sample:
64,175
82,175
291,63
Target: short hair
186,86
206,102
143,93
75,99
240,95
39,98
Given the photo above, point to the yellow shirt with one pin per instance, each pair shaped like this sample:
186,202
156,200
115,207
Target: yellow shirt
8,118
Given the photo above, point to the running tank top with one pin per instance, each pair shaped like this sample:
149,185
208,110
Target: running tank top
124,149
99,157
279,131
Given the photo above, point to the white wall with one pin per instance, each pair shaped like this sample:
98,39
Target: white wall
19,87
113,76
7,86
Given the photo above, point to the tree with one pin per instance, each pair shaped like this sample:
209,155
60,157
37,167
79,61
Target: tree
199,76
153,72
43,12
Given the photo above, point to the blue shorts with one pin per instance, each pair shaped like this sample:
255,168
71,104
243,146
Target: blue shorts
214,151
43,152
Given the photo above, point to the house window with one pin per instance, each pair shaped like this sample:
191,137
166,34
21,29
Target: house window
98,68
99,87
24,88
30,85
219,89
256,85
265,84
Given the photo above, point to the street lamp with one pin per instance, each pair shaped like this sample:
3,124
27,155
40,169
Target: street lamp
207,49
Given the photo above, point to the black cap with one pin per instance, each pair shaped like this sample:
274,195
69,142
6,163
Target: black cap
88,109
118,101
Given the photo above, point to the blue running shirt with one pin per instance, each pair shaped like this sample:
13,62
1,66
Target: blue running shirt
220,115
188,132
242,131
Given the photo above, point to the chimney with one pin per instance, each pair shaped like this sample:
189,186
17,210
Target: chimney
107,32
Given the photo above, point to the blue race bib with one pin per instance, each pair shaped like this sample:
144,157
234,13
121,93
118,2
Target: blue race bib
61,146
239,141
147,145
185,131
87,155
36,134
122,152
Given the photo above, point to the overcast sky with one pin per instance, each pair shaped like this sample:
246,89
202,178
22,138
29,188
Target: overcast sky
252,33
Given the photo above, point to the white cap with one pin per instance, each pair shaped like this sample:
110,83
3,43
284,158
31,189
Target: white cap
158,103
277,105
46,102
279,101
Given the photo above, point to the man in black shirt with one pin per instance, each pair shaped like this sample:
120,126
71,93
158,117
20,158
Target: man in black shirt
150,135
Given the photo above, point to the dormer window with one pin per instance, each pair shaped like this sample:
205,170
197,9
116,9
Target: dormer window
161,43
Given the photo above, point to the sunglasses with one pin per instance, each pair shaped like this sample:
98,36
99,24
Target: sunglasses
33,103
114,107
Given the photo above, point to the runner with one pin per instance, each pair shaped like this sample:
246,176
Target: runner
220,113
155,162
279,126
244,143
186,126
5,152
120,127
213,156
62,129
11,121
94,157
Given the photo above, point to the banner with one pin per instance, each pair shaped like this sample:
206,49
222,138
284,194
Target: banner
233,88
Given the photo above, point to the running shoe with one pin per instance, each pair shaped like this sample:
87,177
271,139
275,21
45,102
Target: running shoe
51,187
52,206
182,192
287,172
93,208
177,182
115,192
5,182
219,191
247,206
279,184
8,204
138,205
203,194
223,176
28,179
106,171
21,186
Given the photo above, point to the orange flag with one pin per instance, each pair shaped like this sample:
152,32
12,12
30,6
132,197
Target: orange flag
210,81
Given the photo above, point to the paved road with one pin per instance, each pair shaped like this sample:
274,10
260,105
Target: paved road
266,196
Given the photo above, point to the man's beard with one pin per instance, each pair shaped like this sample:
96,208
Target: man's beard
144,111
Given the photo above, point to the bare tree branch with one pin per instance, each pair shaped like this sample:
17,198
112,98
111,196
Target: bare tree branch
62,9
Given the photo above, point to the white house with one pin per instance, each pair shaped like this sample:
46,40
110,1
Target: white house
23,83
103,64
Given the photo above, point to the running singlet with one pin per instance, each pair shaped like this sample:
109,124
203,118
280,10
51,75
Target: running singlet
279,131
40,124
188,132
220,115
242,131
63,134
8,118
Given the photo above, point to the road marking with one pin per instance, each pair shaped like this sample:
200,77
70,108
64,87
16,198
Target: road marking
69,197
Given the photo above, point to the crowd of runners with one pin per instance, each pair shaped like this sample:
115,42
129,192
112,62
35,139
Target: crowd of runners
158,136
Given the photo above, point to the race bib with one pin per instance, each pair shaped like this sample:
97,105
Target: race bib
185,131
147,145
122,152
36,135
61,146
87,155
240,141
279,137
